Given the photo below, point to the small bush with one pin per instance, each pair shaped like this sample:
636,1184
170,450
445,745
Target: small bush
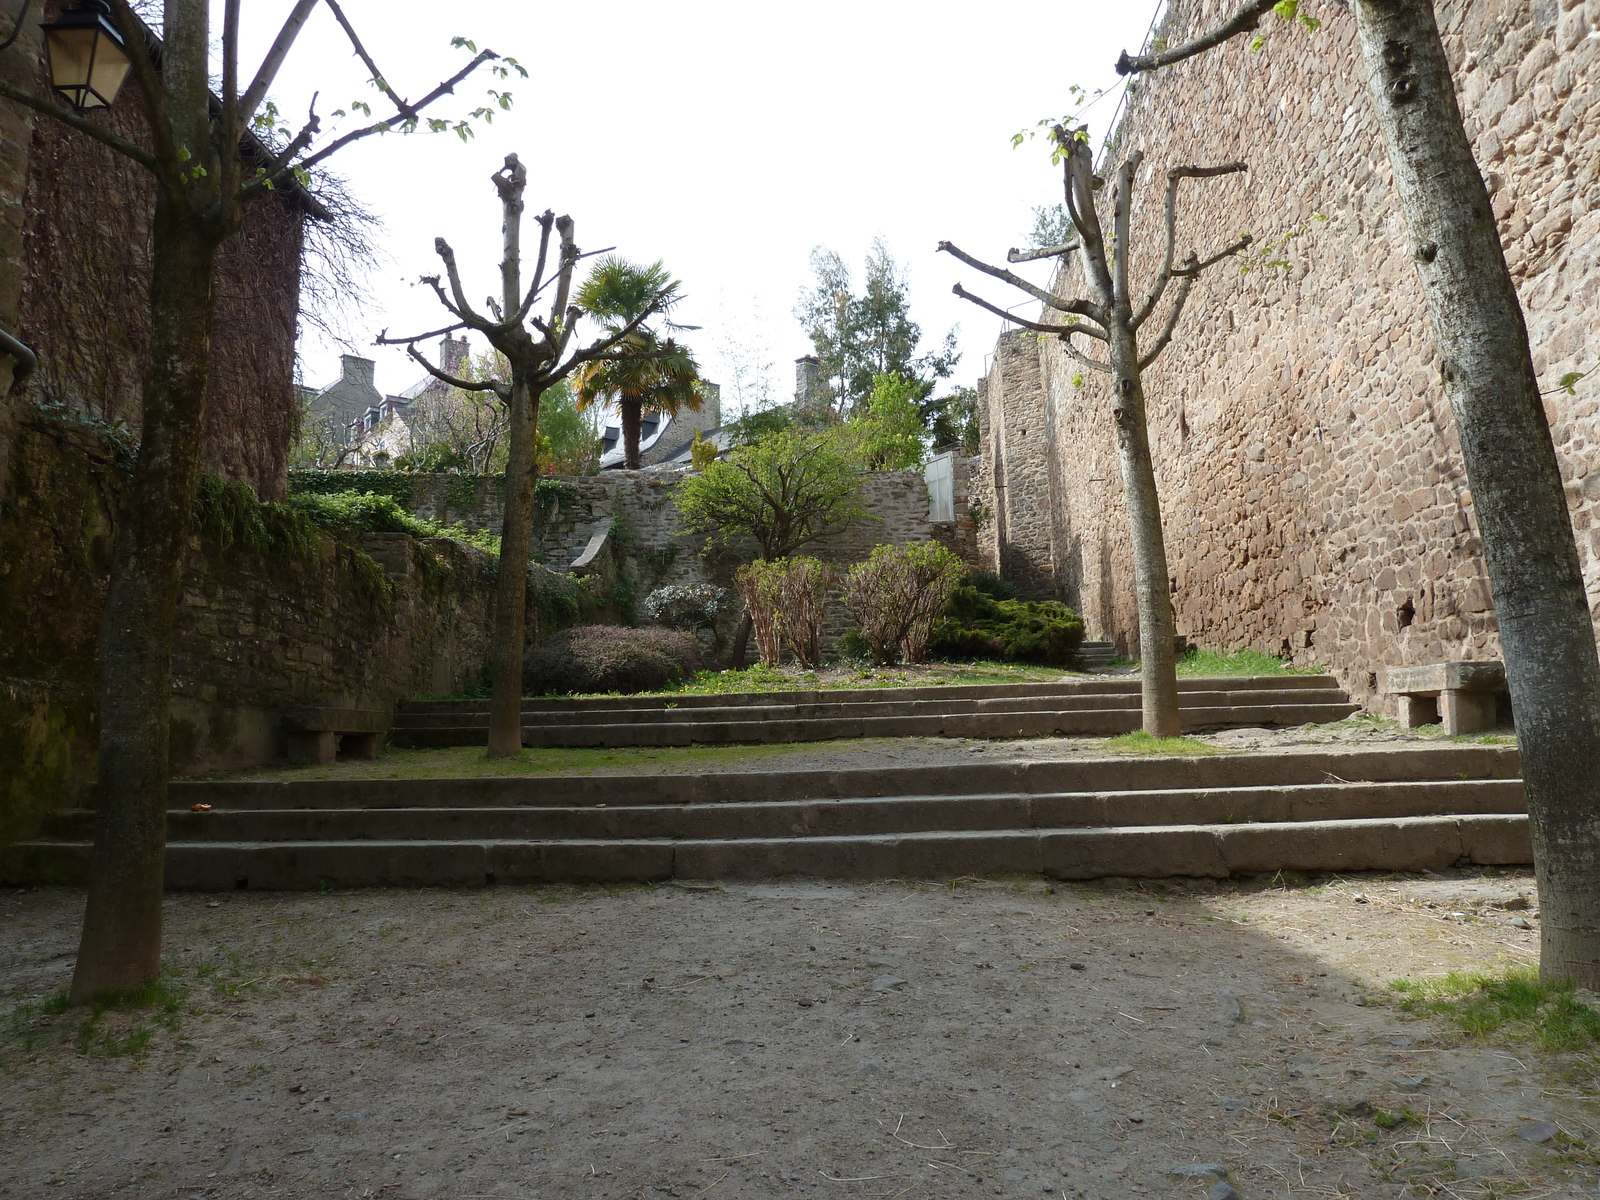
981,621
610,658
785,598
688,606
897,596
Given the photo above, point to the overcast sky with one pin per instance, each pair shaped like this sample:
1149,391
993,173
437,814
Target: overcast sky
726,139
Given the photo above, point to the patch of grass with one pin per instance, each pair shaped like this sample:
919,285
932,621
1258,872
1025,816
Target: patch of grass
1513,1004
32,1025
1140,742
1237,662
470,762
762,678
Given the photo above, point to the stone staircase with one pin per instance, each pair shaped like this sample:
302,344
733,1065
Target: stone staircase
1104,705
1405,808
1096,656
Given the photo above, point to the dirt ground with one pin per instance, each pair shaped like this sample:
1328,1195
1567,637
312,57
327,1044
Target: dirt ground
983,1038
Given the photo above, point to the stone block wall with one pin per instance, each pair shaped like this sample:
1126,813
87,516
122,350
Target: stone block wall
1313,495
254,635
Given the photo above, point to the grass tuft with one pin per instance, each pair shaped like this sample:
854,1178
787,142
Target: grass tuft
1140,742
1514,1003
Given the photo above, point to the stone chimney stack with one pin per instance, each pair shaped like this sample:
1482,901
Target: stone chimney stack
807,385
453,354
358,370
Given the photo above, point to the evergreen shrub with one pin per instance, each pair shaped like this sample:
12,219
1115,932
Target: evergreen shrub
609,658
982,619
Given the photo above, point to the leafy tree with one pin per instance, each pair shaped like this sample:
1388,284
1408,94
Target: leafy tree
1052,226
459,430
890,430
1541,606
568,443
537,358
858,338
955,421
787,490
204,172
1114,317
658,374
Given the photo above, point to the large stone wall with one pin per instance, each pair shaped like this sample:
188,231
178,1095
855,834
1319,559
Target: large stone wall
1313,494
255,634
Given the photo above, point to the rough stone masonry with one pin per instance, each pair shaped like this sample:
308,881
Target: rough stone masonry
1313,495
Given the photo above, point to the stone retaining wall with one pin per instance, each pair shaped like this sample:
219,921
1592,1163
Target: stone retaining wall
255,635
1313,494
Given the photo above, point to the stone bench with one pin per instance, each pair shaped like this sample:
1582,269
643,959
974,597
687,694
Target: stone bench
320,735
1463,695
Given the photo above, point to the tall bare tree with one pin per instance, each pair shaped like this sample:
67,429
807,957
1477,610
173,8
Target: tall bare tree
205,172
536,350
1487,370
1114,317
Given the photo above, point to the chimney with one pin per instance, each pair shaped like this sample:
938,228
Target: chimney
807,387
453,354
358,370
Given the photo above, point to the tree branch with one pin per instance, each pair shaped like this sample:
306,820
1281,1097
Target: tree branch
67,117
356,135
1014,255
383,339
405,109
1245,18
1178,301
460,308
502,390
268,71
1037,327
1174,177
1192,268
1079,357
231,163
141,65
1082,308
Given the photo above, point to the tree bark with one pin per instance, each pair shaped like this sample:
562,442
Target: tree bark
632,414
120,950
511,589
1158,668
1528,546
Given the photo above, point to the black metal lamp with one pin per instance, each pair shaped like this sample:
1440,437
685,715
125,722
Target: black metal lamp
88,58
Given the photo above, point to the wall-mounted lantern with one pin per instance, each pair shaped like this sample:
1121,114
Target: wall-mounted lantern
88,58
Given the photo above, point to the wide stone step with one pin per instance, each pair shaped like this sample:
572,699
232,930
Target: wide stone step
881,706
1433,763
827,818
1120,685
1401,844
1101,721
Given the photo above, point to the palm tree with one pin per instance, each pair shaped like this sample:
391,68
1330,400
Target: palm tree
659,374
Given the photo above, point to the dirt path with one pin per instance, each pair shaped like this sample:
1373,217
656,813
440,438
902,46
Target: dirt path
878,1040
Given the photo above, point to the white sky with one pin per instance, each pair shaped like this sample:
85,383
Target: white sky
726,139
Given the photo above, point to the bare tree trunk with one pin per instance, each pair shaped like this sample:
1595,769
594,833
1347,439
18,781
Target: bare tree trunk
511,590
1528,545
1158,668
632,413
121,943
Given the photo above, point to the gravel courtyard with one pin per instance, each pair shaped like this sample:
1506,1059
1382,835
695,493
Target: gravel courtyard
898,1039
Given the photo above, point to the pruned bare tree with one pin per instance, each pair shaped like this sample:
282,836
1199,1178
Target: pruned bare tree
1546,630
1115,317
208,157
539,353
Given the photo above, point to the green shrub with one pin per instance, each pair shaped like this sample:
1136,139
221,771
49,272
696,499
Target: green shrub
786,599
610,658
980,621
897,596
